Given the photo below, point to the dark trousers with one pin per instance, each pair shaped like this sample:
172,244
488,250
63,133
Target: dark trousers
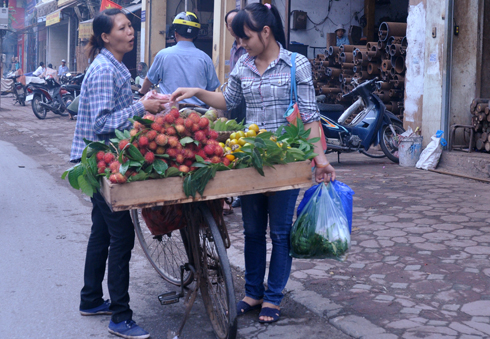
111,237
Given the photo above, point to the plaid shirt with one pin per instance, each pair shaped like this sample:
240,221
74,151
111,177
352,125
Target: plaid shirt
106,102
267,96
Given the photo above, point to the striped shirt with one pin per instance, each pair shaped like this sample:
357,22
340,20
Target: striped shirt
106,102
267,96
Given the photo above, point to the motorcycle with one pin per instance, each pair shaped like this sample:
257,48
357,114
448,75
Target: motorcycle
48,97
18,89
72,83
372,126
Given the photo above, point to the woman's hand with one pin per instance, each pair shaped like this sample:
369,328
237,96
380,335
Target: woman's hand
325,174
182,93
154,106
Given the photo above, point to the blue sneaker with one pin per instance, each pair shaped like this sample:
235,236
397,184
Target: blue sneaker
128,329
99,310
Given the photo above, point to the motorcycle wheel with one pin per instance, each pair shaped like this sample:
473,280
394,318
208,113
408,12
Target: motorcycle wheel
38,110
389,142
373,154
67,99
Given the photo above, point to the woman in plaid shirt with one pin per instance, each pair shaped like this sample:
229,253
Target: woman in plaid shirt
263,78
106,104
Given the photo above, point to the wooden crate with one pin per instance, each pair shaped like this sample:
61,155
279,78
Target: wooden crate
159,192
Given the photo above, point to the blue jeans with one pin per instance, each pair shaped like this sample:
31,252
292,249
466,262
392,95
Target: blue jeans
111,237
257,209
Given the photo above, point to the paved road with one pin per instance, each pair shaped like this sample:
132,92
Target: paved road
44,230
418,266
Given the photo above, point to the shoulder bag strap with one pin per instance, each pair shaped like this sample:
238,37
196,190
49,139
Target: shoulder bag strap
294,95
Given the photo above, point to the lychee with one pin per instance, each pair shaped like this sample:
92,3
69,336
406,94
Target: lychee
202,154
195,128
133,132
152,145
179,121
188,123
188,154
143,151
171,131
209,149
143,141
174,112
149,157
203,123
151,135
226,162
188,162
149,117
169,118
213,134
172,152
101,165
184,169
161,139
215,159
218,150
160,150
123,143
173,142
194,117
109,157
180,129
137,125
160,120
117,178
213,142
100,156
199,135
157,127
114,166
179,158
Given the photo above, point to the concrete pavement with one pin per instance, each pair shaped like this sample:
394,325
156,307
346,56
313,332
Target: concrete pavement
418,266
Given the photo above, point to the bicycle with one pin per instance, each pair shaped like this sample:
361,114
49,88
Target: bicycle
195,253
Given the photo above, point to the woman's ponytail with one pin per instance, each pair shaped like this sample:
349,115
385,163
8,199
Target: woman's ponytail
278,28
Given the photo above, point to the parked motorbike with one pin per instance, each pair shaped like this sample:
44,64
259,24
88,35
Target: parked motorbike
48,97
72,83
372,126
18,89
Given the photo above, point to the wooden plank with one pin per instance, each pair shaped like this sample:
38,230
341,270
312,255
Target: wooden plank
169,191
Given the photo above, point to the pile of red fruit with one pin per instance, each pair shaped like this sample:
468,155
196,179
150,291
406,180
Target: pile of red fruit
164,136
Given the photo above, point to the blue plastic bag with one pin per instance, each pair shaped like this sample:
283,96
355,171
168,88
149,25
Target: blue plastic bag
321,229
345,193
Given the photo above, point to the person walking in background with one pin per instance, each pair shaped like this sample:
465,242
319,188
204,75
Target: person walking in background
263,78
341,38
106,104
182,65
141,71
63,68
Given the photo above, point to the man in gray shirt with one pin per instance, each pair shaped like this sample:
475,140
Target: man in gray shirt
182,65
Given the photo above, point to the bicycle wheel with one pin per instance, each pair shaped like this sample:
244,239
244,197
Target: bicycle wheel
166,253
217,289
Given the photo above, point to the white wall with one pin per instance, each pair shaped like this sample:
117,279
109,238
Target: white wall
341,12
57,44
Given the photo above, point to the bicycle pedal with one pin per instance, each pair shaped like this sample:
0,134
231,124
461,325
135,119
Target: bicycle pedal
169,298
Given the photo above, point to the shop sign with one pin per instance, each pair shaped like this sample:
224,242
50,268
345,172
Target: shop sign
53,18
62,3
85,30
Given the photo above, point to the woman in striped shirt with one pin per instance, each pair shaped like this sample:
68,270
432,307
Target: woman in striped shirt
106,104
263,78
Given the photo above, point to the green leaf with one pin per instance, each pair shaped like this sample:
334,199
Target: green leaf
265,135
148,169
199,164
135,153
257,162
91,179
160,166
124,168
186,140
126,134
74,174
85,186
84,155
201,160
138,177
172,172
313,140
119,134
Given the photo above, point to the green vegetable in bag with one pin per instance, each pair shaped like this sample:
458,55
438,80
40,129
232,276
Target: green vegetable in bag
321,230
